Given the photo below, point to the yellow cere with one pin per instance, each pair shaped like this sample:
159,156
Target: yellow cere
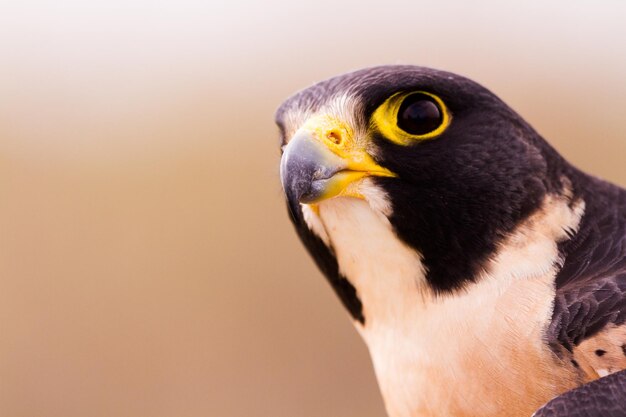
334,133
338,137
385,119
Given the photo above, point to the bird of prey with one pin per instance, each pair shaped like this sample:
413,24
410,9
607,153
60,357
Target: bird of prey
485,273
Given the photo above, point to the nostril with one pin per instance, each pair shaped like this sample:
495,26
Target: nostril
334,136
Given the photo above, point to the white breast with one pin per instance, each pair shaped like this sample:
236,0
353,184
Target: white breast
478,352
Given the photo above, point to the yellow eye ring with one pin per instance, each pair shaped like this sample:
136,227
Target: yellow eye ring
385,118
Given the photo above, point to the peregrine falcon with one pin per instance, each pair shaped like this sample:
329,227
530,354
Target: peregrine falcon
485,273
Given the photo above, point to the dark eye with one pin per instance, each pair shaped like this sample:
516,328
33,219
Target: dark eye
419,114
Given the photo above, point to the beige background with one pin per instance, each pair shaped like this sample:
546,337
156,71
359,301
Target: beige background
147,266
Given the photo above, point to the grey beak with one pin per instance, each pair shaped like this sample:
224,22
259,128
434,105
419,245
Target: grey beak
306,166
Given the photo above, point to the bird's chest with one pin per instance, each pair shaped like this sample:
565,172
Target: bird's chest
477,352
468,356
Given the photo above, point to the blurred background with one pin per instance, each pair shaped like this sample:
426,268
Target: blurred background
147,265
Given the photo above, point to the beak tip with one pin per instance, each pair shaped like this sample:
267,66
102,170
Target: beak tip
300,166
295,180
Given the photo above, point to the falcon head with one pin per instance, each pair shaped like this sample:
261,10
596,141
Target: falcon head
447,164
478,264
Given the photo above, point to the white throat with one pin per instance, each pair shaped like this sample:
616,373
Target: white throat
443,356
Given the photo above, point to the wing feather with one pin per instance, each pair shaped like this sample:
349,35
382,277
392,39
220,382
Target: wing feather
603,397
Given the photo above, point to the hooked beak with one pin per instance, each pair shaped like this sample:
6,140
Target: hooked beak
323,160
